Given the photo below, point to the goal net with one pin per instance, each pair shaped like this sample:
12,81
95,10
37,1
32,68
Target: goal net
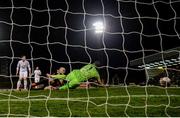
137,43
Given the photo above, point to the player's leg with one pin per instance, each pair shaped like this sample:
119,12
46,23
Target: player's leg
25,83
70,85
73,80
25,80
21,75
44,82
36,80
19,83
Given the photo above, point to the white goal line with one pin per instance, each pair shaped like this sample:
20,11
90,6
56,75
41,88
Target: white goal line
31,98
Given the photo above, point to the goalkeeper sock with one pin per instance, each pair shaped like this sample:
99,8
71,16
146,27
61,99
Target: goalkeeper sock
25,84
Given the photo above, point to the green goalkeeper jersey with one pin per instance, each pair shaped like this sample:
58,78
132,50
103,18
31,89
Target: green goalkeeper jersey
83,74
59,76
89,71
77,76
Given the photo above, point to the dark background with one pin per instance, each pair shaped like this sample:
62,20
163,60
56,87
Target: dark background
54,33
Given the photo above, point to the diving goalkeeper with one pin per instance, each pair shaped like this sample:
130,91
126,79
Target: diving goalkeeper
77,76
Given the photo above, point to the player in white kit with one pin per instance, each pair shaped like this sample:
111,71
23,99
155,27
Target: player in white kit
22,69
37,74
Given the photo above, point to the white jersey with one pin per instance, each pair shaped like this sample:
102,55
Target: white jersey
166,79
22,66
37,74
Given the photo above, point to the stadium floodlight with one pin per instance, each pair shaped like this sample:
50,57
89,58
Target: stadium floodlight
147,67
174,64
177,61
167,61
169,65
160,67
152,64
99,27
173,59
156,63
161,62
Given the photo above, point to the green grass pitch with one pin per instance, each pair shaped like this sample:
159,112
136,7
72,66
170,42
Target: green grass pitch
113,101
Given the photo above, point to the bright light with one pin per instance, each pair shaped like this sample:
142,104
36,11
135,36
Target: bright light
99,27
147,67
160,67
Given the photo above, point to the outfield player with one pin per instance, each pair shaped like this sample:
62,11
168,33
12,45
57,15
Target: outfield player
77,76
52,82
37,74
165,81
22,69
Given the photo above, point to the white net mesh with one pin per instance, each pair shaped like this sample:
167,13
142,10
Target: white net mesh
54,33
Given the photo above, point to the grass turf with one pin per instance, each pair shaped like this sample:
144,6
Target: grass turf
150,101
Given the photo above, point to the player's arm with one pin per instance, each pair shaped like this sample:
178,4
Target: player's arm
98,78
93,73
29,68
40,72
17,68
57,76
96,75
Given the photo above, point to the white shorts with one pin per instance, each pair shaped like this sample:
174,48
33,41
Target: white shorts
36,80
23,75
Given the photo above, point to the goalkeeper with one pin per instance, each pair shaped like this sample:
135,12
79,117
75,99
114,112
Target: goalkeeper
77,76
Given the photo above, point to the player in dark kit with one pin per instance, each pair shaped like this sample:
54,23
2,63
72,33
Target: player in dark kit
52,81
